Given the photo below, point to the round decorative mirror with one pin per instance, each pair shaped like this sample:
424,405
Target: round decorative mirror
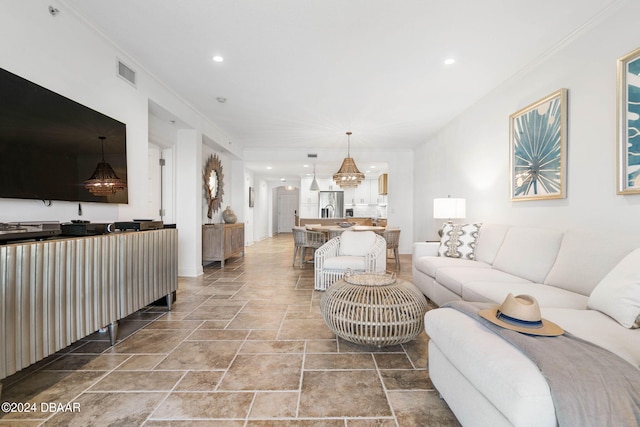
213,180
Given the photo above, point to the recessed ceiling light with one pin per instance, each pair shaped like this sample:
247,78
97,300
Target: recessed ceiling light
218,58
269,168
282,179
449,61
305,166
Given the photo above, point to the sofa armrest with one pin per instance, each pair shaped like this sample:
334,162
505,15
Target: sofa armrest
328,250
421,249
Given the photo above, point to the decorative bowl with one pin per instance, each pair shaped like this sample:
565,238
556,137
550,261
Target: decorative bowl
346,224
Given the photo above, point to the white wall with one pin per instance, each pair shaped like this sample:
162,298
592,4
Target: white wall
61,55
470,157
65,55
261,210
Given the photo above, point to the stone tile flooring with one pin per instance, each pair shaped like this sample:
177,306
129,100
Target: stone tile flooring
243,346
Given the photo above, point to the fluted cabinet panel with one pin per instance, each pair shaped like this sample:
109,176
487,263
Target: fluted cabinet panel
56,292
148,268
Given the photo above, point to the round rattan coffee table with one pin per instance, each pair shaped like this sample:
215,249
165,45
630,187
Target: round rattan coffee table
374,309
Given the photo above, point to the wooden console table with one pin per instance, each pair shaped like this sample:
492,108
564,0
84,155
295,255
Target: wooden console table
222,241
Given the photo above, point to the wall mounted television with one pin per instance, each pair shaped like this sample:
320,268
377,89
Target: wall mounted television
49,144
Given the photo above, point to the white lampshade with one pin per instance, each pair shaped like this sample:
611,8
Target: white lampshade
449,208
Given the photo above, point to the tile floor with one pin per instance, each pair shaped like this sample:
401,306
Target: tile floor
243,346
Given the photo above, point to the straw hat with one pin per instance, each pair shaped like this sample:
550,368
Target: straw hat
522,314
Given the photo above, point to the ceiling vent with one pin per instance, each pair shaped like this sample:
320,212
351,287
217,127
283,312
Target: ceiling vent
126,73
312,156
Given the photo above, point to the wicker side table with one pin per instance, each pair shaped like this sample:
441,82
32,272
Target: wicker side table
374,309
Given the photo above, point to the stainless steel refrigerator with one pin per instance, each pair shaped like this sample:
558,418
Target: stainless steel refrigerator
331,204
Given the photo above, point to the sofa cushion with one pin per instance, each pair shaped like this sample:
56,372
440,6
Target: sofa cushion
459,241
454,278
356,243
586,256
430,264
618,294
355,263
547,296
600,329
528,252
490,237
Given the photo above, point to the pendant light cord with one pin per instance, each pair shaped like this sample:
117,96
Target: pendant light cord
102,138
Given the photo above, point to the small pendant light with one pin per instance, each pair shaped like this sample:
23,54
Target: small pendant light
314,183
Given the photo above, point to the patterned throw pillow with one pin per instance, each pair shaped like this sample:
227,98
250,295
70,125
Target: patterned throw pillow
459,241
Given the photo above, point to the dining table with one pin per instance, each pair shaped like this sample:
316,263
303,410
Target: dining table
330,229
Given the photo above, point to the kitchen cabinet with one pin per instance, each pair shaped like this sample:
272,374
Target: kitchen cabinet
383,184
364,194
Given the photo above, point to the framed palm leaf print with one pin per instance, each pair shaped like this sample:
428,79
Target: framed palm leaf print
628,152
538,146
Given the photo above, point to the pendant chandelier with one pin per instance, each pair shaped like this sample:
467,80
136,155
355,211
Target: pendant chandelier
104,181
314,183
348,175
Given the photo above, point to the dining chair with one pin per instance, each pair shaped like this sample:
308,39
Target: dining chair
392,236
335,232
304,239
298,242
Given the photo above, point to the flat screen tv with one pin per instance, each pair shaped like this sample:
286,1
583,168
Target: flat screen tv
49,144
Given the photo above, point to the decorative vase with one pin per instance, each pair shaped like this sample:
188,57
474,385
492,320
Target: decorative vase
229,216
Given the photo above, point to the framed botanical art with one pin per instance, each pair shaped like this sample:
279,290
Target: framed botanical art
538,149
628,151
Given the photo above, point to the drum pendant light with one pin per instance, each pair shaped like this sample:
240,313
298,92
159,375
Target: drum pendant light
104,181
348,175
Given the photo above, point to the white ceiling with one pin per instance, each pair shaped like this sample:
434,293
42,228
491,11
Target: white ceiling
300,73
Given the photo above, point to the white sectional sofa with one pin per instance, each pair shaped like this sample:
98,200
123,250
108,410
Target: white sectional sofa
580,278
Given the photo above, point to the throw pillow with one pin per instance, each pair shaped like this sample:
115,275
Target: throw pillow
459,241
618,294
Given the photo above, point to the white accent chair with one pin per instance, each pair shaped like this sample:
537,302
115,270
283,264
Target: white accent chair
358,251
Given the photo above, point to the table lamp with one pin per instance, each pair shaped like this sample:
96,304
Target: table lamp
449,208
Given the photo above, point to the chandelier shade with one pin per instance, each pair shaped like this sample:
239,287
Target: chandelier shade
104,181
348,175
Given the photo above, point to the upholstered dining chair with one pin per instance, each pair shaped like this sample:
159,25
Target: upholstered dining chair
358,251
392,236
304,239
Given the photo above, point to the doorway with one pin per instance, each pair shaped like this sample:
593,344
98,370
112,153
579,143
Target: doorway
287,206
